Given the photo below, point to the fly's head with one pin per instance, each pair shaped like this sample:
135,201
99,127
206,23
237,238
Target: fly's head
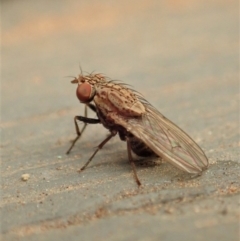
86,86
85,92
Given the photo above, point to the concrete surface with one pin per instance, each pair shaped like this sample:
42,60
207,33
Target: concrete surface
182,55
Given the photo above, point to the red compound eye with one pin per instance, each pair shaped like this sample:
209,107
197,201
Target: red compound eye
84,92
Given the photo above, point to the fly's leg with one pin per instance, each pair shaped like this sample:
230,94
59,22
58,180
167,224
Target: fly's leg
100,146
86,121
132,162
91,106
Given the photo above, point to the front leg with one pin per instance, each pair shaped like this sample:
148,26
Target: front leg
91,106
86,121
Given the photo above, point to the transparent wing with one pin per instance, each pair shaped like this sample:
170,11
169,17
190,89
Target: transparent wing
165,139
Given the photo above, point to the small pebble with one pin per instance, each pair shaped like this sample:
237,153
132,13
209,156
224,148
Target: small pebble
25,177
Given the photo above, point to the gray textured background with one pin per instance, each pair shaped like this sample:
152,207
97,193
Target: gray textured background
182,55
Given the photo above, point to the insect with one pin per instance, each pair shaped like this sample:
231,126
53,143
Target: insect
147,132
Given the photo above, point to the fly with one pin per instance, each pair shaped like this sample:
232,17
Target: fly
147,132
